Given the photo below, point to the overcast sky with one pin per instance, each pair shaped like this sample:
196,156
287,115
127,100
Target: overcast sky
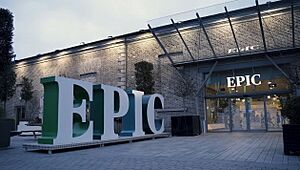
46,25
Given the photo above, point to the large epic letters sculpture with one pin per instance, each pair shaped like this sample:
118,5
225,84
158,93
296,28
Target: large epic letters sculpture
77,111
110,105
133,121
151,102
60,125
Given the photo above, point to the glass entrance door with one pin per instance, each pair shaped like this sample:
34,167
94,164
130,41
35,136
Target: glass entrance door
256,112
248,113
239,114
218,114
245,113
236,114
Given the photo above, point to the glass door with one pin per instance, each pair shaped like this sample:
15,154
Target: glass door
248,114
256,113
218,114
245,113
238,114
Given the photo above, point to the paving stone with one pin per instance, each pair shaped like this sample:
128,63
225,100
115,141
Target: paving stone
208,151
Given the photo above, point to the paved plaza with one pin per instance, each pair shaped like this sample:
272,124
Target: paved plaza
209,151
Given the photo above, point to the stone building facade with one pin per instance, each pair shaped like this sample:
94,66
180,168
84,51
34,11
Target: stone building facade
111,61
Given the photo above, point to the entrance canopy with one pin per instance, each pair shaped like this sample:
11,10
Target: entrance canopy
226,30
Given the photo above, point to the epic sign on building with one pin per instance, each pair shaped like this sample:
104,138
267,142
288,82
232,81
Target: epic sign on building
76,111
237,81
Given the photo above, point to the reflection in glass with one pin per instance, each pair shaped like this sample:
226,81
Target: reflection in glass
248,113
238,114
275,120
218,114
257,113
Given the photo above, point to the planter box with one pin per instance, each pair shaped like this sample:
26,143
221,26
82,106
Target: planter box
291,138
6,126
185,126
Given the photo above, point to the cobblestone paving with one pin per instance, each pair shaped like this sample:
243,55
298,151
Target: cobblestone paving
209,151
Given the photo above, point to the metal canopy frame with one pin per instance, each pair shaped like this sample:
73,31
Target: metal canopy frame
160,44
208,76
166,52
261,26
200,22
293,22
213,51
187,48
232,30
265,45
211,46
206,35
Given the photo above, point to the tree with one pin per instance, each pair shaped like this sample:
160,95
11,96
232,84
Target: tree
7,73
26,90
184,89
143,77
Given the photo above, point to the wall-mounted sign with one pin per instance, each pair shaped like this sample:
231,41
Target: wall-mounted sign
237,81
68,101
245,49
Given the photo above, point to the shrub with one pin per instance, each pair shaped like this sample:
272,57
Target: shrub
143,77
291,110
